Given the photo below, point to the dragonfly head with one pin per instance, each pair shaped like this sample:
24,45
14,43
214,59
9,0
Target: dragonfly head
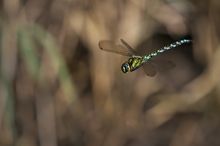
125,67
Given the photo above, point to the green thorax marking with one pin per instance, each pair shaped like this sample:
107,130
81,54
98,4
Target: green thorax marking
135,62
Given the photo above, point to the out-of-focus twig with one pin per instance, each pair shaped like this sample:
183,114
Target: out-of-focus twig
8,69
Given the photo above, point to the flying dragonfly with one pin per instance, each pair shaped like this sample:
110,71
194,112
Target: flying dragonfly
150,65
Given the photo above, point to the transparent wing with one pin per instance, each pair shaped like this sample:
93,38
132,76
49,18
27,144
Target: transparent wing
152,67
110,46
162,65
128,46
149,69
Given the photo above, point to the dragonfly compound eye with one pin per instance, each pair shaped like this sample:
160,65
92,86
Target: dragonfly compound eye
125,67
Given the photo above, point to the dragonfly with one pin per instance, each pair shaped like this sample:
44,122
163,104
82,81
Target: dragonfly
148,62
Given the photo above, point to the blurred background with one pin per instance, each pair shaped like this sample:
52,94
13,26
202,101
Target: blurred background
57,88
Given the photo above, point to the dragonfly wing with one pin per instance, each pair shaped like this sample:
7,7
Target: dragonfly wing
149,69
110,46
163,65
128,46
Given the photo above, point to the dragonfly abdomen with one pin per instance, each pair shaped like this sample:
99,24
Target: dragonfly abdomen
171,46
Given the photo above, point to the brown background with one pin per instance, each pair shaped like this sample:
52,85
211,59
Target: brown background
58,88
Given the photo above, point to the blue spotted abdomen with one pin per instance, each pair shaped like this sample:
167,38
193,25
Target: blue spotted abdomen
161,50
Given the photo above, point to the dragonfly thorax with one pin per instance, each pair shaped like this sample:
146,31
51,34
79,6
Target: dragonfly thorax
132,64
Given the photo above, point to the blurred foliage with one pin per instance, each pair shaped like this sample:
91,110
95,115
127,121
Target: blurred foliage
58,88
